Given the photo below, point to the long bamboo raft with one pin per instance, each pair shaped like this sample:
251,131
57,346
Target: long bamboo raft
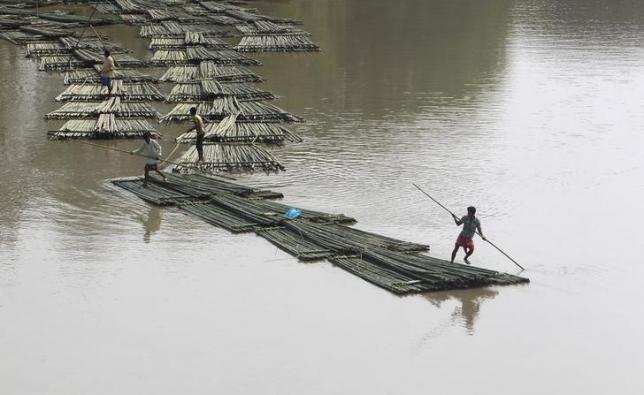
392,264
198,54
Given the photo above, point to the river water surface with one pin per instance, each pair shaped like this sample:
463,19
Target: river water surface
532,110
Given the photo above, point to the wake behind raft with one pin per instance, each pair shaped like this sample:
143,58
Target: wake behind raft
309,235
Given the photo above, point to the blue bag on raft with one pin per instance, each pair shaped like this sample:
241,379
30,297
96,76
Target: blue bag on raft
293,213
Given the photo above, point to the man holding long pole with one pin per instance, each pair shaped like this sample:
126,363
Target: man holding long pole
466,238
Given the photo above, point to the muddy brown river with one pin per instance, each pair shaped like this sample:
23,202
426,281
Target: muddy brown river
531,110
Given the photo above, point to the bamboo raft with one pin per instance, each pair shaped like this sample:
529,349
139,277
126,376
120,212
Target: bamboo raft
92,76
277,43
224,20
105,127
75,110
205,70
231,131
228,158
134,19
220,108
210,89
59,62
89,92
90,57
389,263
130,6
18,37
175,29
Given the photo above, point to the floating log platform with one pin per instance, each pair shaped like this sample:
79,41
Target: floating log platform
231,131
209,89
389,263
261,28
209,70
190,40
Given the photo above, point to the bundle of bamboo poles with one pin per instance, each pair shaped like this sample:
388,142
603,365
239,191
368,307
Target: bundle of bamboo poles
135,91
92,76
106,126
17,37
223,20
229,157
277,43
268,27
73,110
94,44
45,48
198,53
243,132
134,19
243,15
209,89
154,30
159,15
167,43
206,70
224,106
59,62
213,6
131,7
164,57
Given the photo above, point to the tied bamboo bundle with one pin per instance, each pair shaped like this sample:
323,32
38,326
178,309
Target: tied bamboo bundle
174,28
148,31
207,70
231,131
105,127
131,7
164,57
134,19
59,62
243,15
198,54
213,6
166,43
209,89
93,44
224,20
17,37
89,109
92,56
268,27
45,48
159,15
222,107
277,43
229,157
137,91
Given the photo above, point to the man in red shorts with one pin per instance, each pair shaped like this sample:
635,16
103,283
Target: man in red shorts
465,239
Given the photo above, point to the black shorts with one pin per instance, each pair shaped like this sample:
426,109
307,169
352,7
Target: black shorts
200,141
106,81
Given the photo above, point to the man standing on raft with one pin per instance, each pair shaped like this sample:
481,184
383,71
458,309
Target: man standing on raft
465,239
107,71
199,129
151,150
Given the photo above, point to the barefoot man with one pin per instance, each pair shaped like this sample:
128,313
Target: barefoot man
152,152
465,239
107,71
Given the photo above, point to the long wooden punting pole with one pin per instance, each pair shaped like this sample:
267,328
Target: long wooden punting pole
449,211
145,156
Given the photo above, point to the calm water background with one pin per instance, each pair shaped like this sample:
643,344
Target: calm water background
530,110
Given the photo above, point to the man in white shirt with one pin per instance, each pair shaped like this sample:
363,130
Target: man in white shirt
151,150
107,71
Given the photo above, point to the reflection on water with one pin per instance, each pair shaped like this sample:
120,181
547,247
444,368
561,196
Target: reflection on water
151,223
468,306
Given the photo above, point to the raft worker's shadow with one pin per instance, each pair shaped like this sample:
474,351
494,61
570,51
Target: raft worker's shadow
470,304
